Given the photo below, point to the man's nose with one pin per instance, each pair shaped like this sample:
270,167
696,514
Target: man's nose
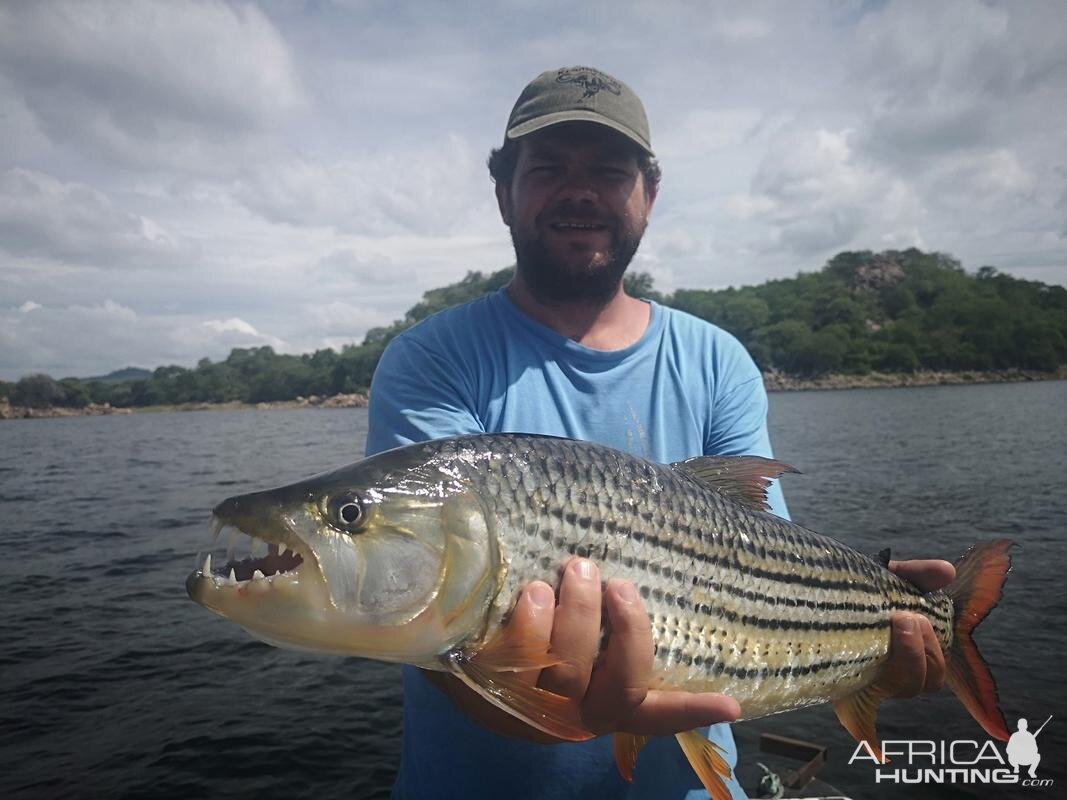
579,186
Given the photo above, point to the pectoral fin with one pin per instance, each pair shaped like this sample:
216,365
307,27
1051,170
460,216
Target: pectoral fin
857,713
552,713
509,653
708,762
492,673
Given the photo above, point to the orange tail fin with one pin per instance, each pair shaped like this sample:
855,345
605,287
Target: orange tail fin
980,575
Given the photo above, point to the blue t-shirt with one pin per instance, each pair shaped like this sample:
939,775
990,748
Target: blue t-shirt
685,388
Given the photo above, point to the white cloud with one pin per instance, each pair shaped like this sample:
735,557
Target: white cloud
429,190
73,222
309,170
231,325
150,82
92,339
814,196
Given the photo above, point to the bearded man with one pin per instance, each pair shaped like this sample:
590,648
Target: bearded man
563,350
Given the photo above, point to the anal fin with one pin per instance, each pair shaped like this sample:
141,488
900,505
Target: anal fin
857,713
627,746
709,763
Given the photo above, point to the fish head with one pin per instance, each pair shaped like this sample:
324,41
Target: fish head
392,558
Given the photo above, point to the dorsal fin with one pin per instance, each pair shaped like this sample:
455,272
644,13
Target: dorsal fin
744,479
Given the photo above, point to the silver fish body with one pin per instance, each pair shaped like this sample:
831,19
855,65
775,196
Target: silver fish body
740,601
418,555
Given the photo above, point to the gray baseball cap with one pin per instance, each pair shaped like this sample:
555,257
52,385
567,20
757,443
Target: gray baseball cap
580,94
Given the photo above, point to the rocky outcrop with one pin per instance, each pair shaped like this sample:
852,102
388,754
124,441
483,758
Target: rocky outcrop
778,382
354,400
8,411
878,273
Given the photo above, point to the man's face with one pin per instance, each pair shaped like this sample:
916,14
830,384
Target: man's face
577,207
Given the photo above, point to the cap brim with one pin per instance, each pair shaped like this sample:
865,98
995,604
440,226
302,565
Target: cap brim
575,115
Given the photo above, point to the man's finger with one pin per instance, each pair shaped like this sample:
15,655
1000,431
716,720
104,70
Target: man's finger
906,666
575,630
928,574
935,659
664,713
531,621
620,680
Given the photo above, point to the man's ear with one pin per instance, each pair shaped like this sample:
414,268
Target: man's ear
503,201
651,192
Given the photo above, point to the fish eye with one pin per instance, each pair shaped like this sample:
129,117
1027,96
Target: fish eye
347,512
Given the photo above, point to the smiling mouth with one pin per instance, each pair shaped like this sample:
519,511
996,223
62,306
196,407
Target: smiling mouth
277,564
568,227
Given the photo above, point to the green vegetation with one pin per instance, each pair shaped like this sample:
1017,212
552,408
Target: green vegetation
896,311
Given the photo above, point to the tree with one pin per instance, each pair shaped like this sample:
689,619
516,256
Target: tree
75,393
37,391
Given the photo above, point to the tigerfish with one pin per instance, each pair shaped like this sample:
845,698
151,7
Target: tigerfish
418,554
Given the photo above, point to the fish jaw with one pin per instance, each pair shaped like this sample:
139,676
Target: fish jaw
413,582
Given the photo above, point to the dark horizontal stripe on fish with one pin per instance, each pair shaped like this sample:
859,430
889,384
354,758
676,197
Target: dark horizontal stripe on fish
747,673
773,601
759,550
605,552
774,623
755,545
720,612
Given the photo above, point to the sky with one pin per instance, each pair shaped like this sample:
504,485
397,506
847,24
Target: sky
178,179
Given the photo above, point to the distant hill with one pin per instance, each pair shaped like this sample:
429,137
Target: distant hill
120,375
899,311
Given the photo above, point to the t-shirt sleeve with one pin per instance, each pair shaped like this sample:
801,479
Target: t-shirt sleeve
739,427
417,395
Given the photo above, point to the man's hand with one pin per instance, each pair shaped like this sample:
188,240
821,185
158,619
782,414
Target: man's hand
915,657
612,690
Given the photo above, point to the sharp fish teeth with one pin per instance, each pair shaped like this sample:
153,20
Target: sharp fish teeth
258,585
233,577
231,547
216,528
206,569
257,546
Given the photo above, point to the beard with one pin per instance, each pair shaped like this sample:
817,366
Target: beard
552,280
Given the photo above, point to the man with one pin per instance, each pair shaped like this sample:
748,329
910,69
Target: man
563,350
1022,748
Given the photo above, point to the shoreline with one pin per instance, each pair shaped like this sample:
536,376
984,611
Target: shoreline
772,381
777,382
8,411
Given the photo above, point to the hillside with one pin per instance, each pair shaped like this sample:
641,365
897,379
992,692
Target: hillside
890,312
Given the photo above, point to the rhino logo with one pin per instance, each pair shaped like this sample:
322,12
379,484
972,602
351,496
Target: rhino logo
591,80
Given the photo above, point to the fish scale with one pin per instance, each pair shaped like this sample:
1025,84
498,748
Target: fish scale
740,601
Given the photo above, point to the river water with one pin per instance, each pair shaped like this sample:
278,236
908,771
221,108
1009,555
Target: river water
116,685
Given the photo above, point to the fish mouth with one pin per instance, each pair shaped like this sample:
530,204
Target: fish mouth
234,569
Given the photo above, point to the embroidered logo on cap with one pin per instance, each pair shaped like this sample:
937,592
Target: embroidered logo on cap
592,80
